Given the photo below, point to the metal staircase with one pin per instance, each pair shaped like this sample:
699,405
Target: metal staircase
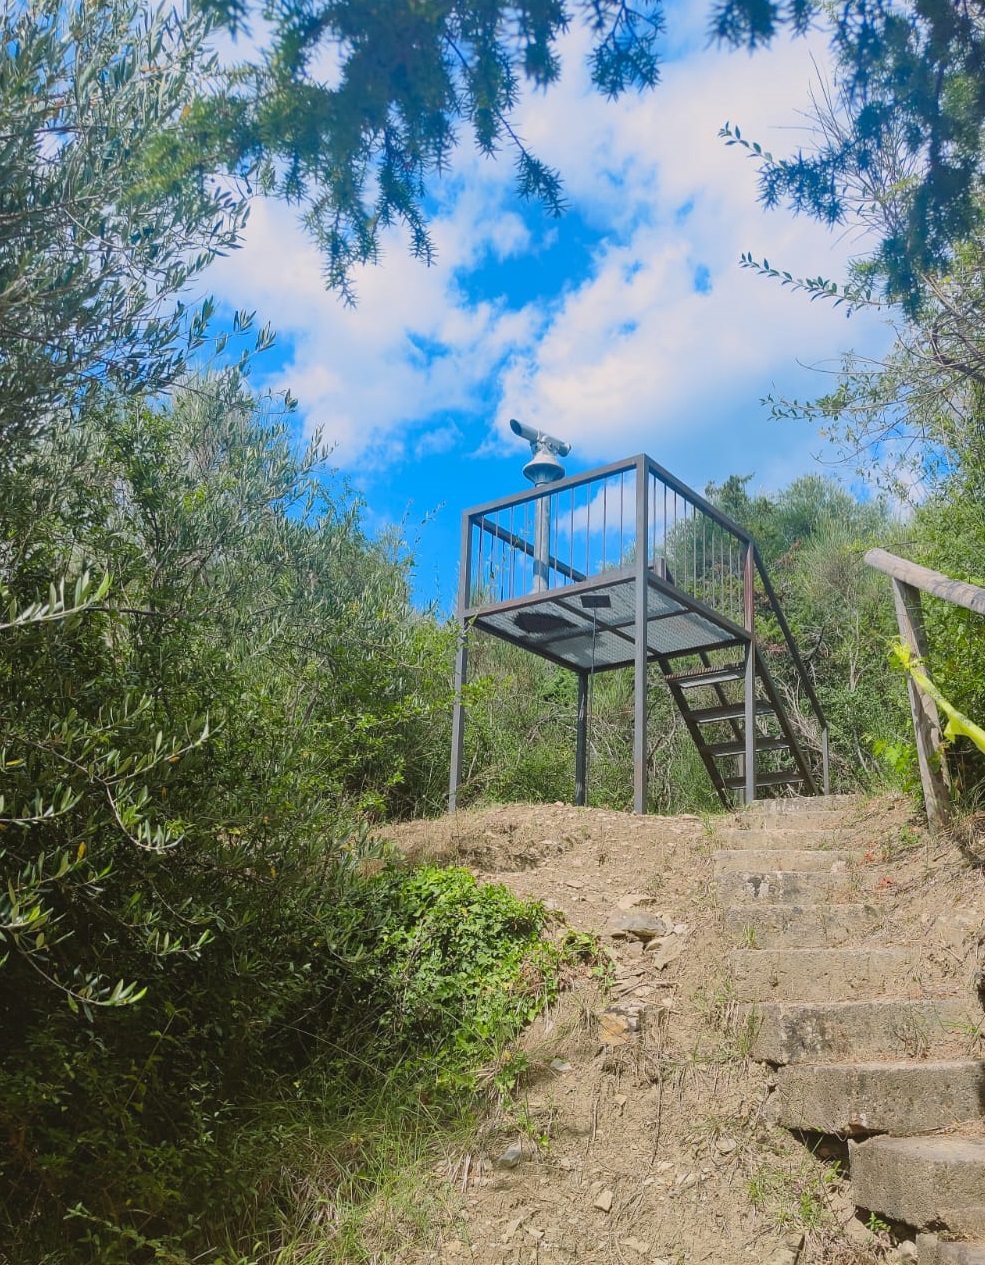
627,566
716,722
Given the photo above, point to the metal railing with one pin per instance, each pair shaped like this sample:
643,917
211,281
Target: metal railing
591,530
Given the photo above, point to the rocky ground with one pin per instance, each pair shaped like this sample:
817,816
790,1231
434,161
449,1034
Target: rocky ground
636,1130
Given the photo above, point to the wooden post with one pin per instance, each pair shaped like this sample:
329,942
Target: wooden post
926,721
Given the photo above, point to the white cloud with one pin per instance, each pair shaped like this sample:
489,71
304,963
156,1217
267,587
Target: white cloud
633,356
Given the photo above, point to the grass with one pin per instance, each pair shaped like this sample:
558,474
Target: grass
794,1198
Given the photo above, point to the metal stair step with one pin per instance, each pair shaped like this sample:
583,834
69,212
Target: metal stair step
730,711
766,779
695,677
718,749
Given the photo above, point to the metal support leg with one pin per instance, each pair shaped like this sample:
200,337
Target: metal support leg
581,743
749,759
458,719
749,605
640,636
825,761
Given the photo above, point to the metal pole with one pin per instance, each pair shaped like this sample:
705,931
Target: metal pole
581,743
542,544
825,763
749,758
641,656
461,666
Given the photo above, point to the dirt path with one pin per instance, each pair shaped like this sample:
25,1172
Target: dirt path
636,1132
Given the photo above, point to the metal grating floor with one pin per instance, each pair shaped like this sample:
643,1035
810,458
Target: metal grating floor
592,624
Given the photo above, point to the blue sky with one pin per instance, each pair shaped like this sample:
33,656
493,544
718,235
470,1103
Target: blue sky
626,326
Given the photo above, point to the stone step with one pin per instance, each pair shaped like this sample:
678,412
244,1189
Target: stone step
744,860
801,805
764,975
784,887
919,1181
830,1032
798,840
934,1251
898,1097
759,926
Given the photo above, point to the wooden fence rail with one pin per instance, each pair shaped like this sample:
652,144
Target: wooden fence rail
910,580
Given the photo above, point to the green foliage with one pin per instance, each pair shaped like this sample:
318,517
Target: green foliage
174,1127
185,747
358,151
897,143
456,965
94,254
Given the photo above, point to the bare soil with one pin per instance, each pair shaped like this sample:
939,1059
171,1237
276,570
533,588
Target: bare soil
635,1131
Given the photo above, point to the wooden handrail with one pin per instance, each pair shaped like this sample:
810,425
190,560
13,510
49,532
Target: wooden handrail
970,596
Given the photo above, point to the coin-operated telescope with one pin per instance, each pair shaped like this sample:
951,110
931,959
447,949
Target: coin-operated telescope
544,466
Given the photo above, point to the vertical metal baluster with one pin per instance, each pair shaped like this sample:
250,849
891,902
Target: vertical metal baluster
571,529
512,552
663,544
588,529
605,515
478,570
503,584
704,559
555,504
694,550
522,560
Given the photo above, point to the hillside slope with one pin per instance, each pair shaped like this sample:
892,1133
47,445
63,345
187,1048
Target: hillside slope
639,1131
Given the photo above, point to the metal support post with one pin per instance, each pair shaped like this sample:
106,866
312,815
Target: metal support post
642,650
749,605
461,667
581,743
542,544
825,761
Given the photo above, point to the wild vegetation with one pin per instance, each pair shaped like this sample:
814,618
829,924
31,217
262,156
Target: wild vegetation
227,1008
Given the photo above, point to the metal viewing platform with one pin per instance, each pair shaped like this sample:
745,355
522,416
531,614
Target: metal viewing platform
627,566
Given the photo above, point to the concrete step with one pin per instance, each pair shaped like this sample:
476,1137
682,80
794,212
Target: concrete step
934,1251
799,840
920,1181
830,1032
825,806
744,860
756,926
898,1097
802,805
784,887
764,975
